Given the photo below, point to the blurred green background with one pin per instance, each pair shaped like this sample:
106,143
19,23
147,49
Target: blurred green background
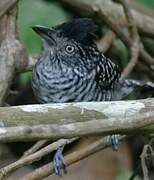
32,12
149,3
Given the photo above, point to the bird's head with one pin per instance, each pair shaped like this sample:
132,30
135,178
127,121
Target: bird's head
71,43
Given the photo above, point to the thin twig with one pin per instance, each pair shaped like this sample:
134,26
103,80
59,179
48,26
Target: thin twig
143,162
76,156
147,151
113,26
35,147
134,48
129,16
33,157
148,60
105,42
134,54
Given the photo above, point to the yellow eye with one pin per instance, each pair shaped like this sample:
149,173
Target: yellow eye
70,49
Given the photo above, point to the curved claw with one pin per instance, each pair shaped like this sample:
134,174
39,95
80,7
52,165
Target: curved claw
114,141
58,161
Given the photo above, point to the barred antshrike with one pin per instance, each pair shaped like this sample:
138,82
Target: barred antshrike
71,68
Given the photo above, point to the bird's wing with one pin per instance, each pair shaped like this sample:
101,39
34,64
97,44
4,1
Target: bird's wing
107,73
128,88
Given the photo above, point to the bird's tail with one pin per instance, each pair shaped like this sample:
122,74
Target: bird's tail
138,83
126,88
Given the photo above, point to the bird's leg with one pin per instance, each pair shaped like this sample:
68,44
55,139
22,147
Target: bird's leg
114,141
58,161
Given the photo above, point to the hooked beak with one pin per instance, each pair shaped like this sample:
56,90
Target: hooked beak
45,32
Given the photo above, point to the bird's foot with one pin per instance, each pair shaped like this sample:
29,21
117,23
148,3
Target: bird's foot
58,162
114,141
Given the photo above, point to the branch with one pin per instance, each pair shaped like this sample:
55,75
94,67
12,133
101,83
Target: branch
144,23
134,49
142,8
35,148
74,119
34,157
31,62
131,125
105,42
64,113
5,5
143,156
12,53
35,122
147,59
74,157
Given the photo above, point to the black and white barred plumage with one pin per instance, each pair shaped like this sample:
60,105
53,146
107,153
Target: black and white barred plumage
71,68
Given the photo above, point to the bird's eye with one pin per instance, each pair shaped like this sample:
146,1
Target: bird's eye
70,49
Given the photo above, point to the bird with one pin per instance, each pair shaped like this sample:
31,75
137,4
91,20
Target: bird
72,69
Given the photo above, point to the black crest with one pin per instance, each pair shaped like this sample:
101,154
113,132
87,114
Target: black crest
81,29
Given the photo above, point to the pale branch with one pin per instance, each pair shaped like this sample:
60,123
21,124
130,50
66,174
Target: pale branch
142,8
5,5
147,156
113,10
132,125
129,16
74,157
12,53
134,49
146,153
34,157
38,145
105,42
134,55
31,62
147,59
74,119
64,113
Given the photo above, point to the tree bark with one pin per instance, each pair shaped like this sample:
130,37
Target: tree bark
12,53
5,5
34,122
64,113
133,125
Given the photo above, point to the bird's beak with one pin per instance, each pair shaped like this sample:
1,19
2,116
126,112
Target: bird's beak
44,32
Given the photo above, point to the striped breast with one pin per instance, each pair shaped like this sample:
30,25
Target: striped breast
64,85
